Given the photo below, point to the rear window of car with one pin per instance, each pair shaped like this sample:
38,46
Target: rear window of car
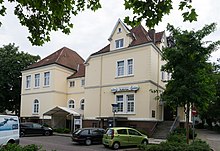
109,132
122,131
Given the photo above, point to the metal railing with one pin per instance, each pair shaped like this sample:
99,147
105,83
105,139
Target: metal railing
174,125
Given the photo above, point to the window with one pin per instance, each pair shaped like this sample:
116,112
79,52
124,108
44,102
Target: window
125,103
83,82
122,131
119,30
47,78
119,101
130,103
130,66
120,68
162,75
153,113
125,67
82,104
72,83
37,80
71,104
119,43
133,132
169,76
36,107
28,81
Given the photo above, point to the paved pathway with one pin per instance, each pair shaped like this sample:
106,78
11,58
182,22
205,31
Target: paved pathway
211,137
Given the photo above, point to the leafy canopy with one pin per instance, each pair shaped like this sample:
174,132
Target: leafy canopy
12,62
43,16
187,56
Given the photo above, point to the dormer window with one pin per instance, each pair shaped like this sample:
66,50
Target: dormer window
119,43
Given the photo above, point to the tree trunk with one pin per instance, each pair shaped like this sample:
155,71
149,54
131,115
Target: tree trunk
187,122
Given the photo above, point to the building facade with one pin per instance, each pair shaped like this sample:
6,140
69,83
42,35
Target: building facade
125,74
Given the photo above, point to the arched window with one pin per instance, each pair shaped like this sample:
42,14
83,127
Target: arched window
71,104
82,104
36,106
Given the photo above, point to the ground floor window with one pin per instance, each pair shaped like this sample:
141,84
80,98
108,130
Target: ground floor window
126,103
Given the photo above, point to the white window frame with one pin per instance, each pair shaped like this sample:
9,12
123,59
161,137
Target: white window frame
82,103
72,84
37,80
36,106
83,82
125,103
46,79
126,68
121,43
28,82
162,76
132,66
71,104
117,102
117,68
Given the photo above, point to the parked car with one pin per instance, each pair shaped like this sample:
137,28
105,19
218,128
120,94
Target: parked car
9,130
30,128
88,135
123,136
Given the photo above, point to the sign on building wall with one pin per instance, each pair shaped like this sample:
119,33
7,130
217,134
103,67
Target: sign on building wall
125,89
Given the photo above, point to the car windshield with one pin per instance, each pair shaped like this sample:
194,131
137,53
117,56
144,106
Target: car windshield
77,131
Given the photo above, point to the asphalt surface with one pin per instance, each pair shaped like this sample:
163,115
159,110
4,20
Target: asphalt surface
211,137
62,143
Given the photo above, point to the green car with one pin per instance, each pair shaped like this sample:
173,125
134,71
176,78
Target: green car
123,136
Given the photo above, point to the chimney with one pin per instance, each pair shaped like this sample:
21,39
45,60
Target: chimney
151,33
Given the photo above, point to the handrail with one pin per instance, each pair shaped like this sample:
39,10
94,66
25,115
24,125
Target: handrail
174,123
154,128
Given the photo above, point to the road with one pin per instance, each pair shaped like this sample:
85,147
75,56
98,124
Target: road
60,143
211,137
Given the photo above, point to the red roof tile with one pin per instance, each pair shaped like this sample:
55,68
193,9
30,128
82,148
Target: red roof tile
64,57
79,73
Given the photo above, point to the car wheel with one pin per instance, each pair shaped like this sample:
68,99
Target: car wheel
88,141
144,142
46,133
22,134
116,145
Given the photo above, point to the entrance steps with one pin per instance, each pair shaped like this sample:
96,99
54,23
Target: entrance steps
162,130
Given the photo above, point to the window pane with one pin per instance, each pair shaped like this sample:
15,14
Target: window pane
119,101
28,81
120,66
71,104
122,131
46,78
37,80
130,66
130,103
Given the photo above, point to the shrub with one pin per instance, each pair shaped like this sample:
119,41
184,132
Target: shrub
15,147
62,130
183,131
174,137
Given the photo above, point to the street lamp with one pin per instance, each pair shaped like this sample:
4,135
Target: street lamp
114,110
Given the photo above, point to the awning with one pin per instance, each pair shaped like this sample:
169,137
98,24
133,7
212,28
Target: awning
62,110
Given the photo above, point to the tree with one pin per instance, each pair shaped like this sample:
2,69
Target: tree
12,62
213,112
43,16
192,82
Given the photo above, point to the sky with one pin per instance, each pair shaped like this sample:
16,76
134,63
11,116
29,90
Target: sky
92,29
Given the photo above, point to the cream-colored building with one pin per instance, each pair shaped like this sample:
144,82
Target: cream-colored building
55,81
123,74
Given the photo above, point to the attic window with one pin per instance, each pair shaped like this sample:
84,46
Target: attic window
119,43
119,30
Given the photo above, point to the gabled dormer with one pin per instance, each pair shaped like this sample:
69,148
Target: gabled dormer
120,37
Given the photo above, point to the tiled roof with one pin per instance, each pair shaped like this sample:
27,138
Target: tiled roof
64,57
79,73
141,37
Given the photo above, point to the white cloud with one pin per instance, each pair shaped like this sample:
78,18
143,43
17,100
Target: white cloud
92,29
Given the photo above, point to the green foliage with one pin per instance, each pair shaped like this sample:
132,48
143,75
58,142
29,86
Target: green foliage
12,62
62,130
182,131
15,147
177,142
43,16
